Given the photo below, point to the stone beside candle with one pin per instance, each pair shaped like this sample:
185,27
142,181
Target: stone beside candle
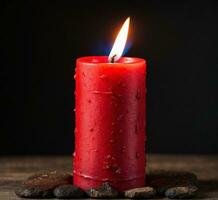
41,185
54,184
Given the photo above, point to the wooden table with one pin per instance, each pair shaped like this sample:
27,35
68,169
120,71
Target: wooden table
15,169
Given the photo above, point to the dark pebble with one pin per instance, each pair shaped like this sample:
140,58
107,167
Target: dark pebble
163,180
181,192
143,192
104,191
33,192
41,185
68,191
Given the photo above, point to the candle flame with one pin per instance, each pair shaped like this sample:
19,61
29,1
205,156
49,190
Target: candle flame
119,43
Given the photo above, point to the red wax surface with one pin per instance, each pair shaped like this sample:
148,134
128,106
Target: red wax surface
110,123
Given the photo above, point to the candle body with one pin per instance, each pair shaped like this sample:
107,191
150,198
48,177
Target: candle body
110,123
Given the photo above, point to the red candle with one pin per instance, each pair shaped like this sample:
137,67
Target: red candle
110,123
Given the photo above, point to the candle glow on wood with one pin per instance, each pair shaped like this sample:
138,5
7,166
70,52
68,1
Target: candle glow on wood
119,43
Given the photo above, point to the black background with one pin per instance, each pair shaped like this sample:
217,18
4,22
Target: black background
40,41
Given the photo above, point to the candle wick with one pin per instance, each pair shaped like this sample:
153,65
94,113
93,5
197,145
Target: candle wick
112,60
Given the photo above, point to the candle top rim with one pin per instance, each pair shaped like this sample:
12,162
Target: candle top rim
104,60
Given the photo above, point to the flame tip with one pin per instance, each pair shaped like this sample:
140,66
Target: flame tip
128,19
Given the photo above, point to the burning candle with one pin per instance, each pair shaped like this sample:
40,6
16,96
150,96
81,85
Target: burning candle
110,119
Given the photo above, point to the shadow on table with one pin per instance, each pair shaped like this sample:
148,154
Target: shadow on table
207,188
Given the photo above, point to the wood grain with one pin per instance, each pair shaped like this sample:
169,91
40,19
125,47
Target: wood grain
15,169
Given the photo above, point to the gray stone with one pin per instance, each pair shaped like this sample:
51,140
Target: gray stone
68,191
163,180
104,191
33,192
181,192
143,192
41,185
